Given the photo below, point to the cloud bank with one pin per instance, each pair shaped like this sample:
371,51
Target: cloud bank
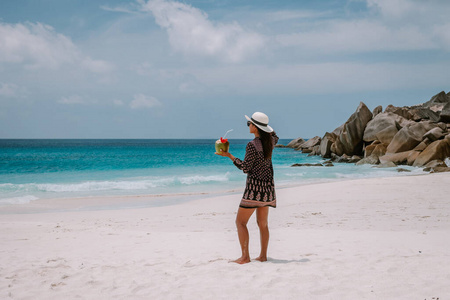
387,25
36,45
191,32
143,101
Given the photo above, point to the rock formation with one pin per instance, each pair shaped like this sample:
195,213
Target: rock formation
413,135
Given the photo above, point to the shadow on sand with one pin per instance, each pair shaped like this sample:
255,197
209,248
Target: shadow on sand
287,261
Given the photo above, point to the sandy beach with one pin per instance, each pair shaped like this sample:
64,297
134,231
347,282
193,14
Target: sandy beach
382,238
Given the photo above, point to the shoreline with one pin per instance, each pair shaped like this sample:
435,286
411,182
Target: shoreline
376,238
115,202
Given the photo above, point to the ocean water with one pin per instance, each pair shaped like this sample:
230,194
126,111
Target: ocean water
42,169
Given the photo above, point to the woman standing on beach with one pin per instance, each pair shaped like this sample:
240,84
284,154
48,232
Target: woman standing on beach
259,191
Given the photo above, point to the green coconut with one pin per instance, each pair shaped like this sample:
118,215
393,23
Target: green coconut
225,146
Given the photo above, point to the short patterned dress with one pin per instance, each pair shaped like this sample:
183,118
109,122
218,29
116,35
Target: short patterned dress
260,187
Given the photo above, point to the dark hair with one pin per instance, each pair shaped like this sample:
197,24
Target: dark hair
267,143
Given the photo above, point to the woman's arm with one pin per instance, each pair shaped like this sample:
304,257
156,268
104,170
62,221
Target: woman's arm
247,164
226,154
274,137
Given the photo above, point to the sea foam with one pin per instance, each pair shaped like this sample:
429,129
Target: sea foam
136,184
19,200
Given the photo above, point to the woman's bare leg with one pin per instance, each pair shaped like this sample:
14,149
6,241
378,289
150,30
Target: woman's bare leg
262,214
242,218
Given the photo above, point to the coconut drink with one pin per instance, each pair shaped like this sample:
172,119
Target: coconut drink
223,143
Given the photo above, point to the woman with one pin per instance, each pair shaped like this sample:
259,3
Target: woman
259,191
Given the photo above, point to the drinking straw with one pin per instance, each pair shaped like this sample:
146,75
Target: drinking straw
227,133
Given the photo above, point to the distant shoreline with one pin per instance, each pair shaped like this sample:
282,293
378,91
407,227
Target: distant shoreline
118,202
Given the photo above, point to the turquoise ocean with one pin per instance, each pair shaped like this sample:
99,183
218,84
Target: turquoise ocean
56,168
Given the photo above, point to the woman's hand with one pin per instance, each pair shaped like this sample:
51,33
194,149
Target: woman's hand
225,153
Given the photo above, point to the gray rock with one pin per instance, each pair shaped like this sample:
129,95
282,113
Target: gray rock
351,137
325,145
434,134
316,150
437,102
388,164
445,113
310,143
337,147
443,126
412,157
408,137
371,160
295,143
437,150
377,110
440,169
380,150
423,145
401,111
400,158
380,123
386,135
423,113
436,163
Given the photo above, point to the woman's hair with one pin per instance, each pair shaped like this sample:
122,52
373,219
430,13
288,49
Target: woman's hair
267,143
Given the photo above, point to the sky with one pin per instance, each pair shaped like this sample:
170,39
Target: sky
194,68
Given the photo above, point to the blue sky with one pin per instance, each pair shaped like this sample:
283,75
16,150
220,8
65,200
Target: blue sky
192,69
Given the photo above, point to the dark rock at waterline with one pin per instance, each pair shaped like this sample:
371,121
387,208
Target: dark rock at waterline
307,165
436,163
440,170
388,164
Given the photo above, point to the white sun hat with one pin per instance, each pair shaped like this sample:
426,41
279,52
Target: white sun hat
260,120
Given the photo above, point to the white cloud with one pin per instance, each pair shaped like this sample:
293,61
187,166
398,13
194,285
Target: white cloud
96,66
142,101
443,32
117,102
191,32
289,15
73,99
130,9
9,90
358,36
87,100
391,25
411,11
40,46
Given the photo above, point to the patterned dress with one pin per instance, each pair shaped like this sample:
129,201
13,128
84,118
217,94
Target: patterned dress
260,187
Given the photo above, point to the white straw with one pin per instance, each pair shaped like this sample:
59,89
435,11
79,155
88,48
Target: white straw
227,133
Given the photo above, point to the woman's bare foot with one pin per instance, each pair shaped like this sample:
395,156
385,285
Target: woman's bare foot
242,260
261,258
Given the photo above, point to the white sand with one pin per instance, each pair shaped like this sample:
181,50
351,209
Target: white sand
383,238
